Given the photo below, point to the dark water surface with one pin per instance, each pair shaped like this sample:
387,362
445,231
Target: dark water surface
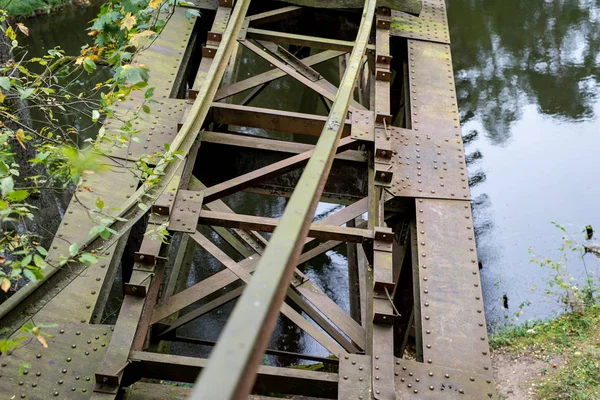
527,81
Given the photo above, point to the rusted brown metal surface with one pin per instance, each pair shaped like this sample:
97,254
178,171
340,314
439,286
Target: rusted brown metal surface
399,172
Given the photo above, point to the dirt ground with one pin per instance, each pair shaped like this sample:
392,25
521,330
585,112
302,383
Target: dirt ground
517,376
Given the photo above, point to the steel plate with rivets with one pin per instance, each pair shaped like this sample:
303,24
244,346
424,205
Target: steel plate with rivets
354,376
77,301
362,125
165,56
186,211
64,370
383,362
452,316
429,159
433,103
153,130
415,380
431,24
425,166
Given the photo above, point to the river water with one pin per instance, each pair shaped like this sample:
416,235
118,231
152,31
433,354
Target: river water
527,81
526,76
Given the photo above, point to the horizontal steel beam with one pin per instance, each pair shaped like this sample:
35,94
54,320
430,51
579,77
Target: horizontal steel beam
300,40
280,146
264,118
263,224
268,380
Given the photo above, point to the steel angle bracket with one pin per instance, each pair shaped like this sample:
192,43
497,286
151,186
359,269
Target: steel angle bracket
107,383
383,60
383,174
209,51
164,204
149,250
383,312
133,289
186,211
379,118
383,74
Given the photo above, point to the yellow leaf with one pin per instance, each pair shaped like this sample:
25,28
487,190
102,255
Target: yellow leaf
2,96
79,60
139,38
154,3
5,285
10,33
20,135
42,340
23,29
128,22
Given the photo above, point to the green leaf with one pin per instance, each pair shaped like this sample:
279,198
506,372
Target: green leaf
143,207
42,250
4,83
3,168
17,195
191,13
87,258
96,230
29,275
95,115
146,109
37,272
7,185
73,249
99,203
134,74
149,93
26,260
89,65
39,261
105,233
25,93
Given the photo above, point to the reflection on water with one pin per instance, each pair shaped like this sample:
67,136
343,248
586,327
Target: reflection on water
527,79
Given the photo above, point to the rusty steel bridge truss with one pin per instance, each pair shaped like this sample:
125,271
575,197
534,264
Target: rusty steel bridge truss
389,150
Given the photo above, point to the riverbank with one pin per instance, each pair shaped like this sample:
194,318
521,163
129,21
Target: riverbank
557,359
20,9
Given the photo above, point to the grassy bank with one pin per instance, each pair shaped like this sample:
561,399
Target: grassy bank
29,8
565,353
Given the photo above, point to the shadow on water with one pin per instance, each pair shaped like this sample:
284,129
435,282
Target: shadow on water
527,81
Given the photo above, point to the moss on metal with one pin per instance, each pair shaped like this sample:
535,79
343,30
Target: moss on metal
408,6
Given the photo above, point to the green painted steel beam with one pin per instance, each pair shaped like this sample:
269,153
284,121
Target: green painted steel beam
233,365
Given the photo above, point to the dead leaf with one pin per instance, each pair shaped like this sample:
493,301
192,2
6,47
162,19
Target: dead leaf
128,22
154,4
139,38
5,284
20,135
42,340
23,29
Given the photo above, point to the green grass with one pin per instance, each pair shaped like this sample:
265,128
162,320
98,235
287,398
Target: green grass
576,338
27,8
